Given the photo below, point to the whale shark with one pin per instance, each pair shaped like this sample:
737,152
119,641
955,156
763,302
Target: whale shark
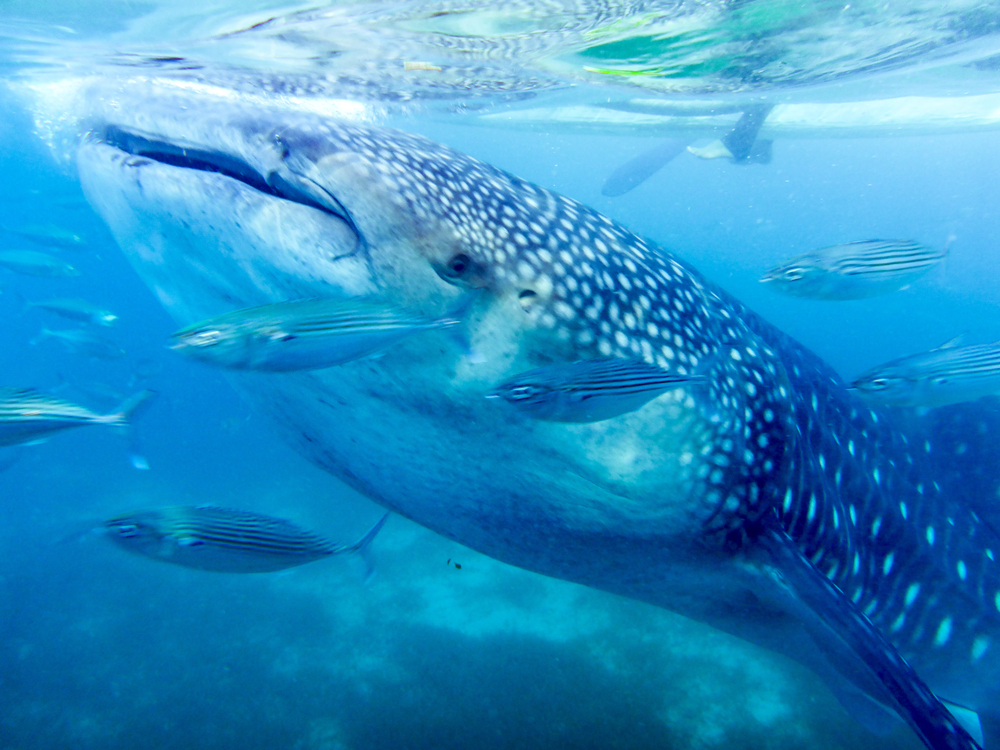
768,502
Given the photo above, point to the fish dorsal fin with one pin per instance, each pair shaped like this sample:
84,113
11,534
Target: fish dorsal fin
234,514
849,639
953,342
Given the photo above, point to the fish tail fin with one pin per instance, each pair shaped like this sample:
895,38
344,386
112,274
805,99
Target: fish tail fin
939,273
121,419
363,547
127,409
42,335
703,375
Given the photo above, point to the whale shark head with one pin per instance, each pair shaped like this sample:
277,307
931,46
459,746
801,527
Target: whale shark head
219,213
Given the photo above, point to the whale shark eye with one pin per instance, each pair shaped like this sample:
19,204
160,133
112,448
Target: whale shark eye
458,266
127,530
461,270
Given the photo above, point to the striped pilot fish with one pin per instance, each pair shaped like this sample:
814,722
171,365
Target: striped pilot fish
29,416
225,540
307,334
947,375
76,309
855,270
590,390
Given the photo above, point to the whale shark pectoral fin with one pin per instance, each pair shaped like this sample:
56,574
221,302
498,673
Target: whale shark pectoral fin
859,649
968,719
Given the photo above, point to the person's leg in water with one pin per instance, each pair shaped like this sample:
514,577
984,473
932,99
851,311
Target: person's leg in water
741,145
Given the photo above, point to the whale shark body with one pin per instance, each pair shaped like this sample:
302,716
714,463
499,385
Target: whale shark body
770,503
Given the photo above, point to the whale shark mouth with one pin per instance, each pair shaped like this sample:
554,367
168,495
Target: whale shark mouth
292,188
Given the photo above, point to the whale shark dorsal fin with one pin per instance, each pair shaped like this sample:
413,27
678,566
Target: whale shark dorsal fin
851,641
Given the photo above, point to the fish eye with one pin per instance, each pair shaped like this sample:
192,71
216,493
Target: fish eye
276,334
205,338
793,274
458,266
880,384
127,530
522,392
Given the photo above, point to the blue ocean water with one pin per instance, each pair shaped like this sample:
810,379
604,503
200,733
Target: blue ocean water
99,649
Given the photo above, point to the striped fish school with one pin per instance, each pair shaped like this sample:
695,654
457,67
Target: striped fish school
305,334
946,375
225,540
855,270
589,390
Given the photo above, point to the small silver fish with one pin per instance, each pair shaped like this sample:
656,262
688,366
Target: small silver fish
49,234
855,270
589,390
304,334
947,375
224,540
28,416
77,309
81,341
32,263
